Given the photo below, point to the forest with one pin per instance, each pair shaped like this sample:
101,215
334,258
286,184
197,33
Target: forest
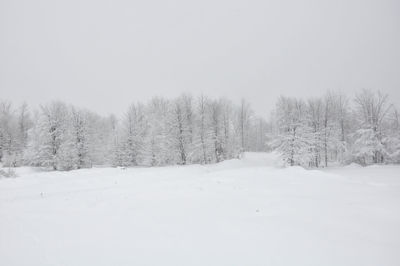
335,129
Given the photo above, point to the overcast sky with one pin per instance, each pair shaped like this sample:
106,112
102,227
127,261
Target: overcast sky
103,55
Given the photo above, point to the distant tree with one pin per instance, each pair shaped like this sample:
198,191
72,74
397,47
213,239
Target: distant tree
48,136
181,126
80,138
317,121
296,140
133,135
393,138
340,115
244,116
203,138
24,124
371,110
217,137
8,134
159,145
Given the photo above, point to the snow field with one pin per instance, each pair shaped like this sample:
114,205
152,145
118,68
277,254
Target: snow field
238,212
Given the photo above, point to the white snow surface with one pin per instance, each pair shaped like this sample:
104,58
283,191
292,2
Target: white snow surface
239,212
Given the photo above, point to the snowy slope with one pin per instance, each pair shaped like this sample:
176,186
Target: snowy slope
239,212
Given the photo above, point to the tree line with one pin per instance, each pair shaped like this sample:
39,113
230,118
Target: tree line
336,129
315,132
184,130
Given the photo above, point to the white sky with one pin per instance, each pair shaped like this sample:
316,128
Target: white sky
103,55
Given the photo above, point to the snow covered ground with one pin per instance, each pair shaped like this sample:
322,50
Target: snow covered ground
246,212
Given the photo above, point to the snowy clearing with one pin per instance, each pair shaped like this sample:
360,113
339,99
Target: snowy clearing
247,212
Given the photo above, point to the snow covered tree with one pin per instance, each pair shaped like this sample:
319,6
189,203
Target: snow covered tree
116,151
158,141
80,138
295,141
181,126
48,136
371,110
24,124
217,137
190,116
230,143
133,133
340,116
102,137
8,134
202,140
244,115
393,138
317,122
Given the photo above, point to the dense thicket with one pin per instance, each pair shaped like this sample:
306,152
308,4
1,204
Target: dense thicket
184,130
312,133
